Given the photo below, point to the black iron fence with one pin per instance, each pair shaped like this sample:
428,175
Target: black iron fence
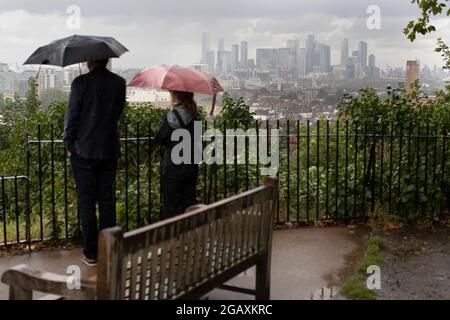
327,170
15,210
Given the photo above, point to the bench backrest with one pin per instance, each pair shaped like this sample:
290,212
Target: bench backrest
171,258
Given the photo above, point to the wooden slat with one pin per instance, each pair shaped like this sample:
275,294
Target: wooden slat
154,265
133,278
197,256
204,240
173,259
219,246
124,294
163,265
143,275
211,248
181,257
188,273
230,254
226,237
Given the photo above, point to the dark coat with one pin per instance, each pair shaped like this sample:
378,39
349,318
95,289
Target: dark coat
169,124
97,100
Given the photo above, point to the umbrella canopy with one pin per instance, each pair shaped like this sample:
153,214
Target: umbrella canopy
177,78
76,49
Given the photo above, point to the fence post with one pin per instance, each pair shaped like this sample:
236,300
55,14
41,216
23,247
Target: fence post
27,192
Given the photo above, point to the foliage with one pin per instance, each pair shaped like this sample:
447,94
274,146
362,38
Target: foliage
423,26
52,96
234,112
32,102
398,107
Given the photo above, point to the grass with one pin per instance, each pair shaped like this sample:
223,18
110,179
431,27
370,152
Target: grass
355,287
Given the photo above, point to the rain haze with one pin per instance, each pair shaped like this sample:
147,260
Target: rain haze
170,31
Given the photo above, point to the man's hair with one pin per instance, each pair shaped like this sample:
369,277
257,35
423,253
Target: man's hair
101,63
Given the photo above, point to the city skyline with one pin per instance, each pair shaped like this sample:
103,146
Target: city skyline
147,28
296,60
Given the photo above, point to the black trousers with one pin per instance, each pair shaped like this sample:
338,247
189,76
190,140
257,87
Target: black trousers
178,192
94,181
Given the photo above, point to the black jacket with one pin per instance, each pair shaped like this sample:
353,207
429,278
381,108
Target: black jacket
97,100
169,124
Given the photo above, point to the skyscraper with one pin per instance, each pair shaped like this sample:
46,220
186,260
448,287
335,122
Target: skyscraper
372,61
301,59
294,47
265,59
224,62
324,57
310,52
244,55
372,71
211,62
205,47
281,58
235,57
412,74
344,53
362,53
221,44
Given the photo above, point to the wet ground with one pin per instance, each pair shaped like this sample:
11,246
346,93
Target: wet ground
417,264
309,263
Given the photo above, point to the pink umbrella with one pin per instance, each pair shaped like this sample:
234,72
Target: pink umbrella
177,78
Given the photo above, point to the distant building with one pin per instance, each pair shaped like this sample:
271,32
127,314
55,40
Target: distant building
224,62
324,58
6,80
244,55
205,47
294,47
281,59
50,78
200,67
235,57
211,61
372,71
301,62
344,52
265,58
372,61
310,53
412,74
157,98
221,44
362,53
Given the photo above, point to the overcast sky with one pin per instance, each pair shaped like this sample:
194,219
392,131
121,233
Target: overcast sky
170,31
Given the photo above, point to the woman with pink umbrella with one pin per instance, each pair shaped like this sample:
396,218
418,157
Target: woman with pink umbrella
178,181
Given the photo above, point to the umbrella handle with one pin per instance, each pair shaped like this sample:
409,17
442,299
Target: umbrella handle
213,107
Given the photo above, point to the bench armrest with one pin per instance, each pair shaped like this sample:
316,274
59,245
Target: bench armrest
23,280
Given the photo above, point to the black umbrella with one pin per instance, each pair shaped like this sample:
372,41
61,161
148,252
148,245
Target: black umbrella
77,49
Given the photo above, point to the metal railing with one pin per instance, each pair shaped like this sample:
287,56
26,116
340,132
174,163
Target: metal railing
338,170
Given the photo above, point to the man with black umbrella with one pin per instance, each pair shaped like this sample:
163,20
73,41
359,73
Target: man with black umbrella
91,137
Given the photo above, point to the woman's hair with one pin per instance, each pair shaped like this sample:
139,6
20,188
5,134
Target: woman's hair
186,99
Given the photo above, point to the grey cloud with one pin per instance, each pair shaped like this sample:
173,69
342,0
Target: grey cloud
210,10
170,31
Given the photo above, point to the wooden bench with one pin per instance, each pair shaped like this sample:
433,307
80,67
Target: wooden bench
181,258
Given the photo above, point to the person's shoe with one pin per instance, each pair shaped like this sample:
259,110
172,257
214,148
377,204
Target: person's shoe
89,262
